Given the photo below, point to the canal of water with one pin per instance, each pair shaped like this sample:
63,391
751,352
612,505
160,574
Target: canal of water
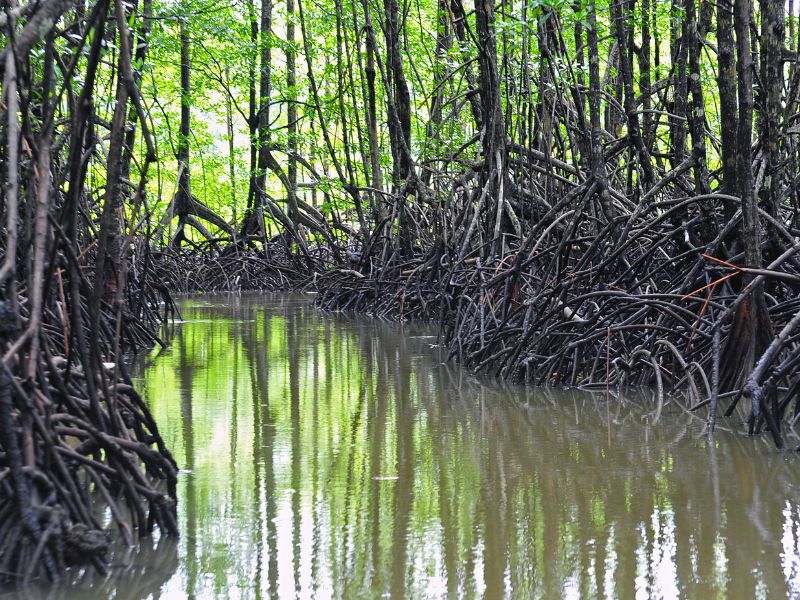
323,456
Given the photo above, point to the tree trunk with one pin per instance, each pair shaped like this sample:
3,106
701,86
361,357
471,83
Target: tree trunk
111,224
183,194
398,95
184,204
252,117
291,88
372,119
726,80
264,93
434,126
697,116
231,149
680,94
751,331
772,78
644,166
598,164
648,129
493,173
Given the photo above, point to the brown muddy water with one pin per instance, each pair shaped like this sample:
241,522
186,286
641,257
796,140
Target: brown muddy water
331,457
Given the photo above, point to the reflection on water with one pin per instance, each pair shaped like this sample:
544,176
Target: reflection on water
330,457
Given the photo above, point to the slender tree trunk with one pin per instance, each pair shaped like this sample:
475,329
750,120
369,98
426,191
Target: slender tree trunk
579,94
493,137
142,38
184,205
772,78
726,81
443,44
183,195
291,88
644,165
345,85
645,81
231,149
681,90
751,330
398,97
598,165
546,92
697,116
459,17
111,223
372,118
263,134
252,120
751,229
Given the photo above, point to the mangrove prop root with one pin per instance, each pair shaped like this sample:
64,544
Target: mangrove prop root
645,290
74,439
232,269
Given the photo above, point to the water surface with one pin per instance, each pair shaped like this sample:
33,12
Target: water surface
324,456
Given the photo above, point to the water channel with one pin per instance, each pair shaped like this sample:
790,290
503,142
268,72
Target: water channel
325,456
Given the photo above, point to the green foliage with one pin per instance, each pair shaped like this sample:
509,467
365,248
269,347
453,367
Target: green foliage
225,65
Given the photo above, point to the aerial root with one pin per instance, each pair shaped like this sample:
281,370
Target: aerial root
648,290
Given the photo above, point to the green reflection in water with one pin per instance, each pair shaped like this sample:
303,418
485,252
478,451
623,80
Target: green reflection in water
332,457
